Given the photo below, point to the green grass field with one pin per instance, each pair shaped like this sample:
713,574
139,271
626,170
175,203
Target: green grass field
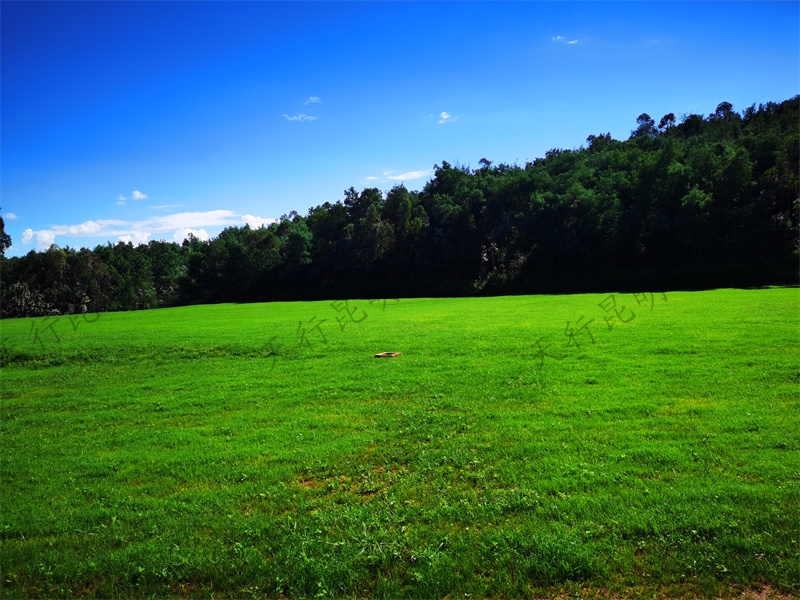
261,450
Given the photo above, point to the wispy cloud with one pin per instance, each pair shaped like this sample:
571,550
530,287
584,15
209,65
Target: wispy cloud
313,100
445,117
10,216
563,40
408,176
302,117
166,206
135,195
137,231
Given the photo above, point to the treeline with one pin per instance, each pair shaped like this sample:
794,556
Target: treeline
704,202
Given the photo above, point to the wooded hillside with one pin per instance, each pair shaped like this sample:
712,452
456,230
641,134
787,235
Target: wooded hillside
696,202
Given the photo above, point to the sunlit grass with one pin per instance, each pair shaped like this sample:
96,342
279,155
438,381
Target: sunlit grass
206,450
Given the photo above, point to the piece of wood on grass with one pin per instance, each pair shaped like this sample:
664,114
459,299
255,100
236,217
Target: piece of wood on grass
387,354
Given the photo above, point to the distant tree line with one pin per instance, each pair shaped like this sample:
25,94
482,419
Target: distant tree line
695,203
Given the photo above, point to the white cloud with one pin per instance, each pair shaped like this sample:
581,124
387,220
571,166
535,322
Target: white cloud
257,222
44,238
86,229
134,238
302,117
561,38
166,206
409,176
313,100
444,117
208,218
135,195
10,216
136,231
387,175
183,234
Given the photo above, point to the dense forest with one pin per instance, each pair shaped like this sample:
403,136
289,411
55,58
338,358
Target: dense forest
688,203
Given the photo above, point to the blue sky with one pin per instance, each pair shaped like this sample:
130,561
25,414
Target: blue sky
148,120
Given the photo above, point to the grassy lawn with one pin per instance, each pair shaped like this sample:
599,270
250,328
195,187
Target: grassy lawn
519,446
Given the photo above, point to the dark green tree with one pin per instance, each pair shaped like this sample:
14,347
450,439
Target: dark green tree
645,126
5,239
